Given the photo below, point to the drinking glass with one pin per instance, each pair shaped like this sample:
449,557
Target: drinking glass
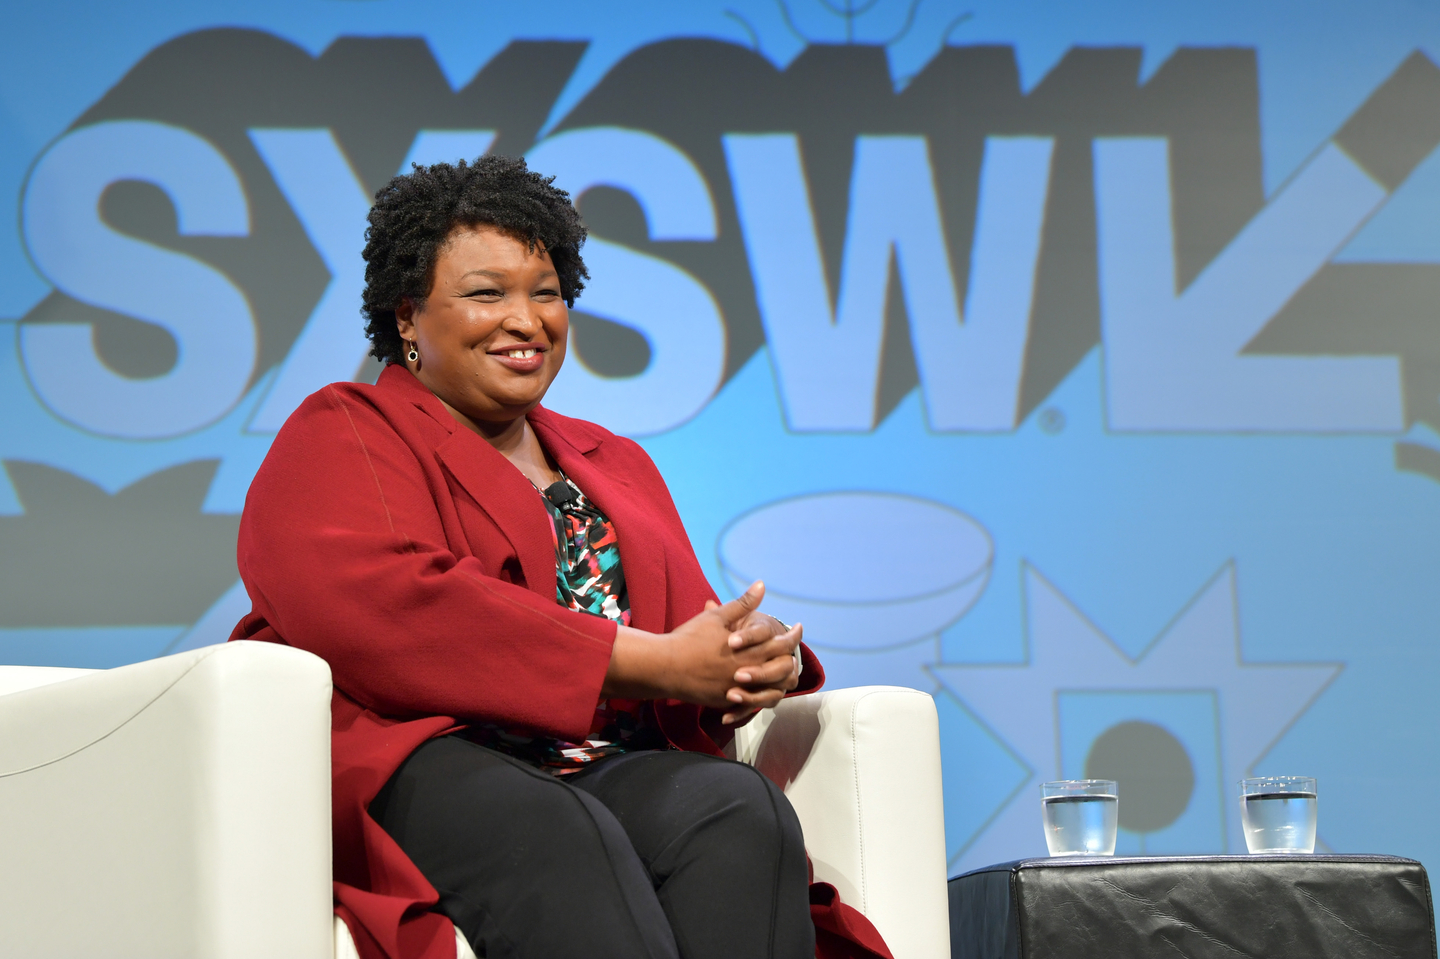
1278,813
1080,816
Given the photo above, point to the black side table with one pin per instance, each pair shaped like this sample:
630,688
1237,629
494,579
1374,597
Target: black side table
1195,907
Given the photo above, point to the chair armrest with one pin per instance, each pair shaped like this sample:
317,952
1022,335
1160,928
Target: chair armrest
176,807
15,678
861,767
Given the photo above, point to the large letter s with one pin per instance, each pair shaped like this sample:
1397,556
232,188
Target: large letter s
672,309
80,254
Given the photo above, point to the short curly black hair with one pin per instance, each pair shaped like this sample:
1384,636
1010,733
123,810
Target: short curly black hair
416,212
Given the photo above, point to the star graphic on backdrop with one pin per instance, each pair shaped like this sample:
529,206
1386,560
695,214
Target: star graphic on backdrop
1198,650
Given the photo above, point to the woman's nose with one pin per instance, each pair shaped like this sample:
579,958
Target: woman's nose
523,321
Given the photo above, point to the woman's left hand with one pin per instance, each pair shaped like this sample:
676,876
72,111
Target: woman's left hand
781,673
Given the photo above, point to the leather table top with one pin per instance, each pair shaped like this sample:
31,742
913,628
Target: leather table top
1197,907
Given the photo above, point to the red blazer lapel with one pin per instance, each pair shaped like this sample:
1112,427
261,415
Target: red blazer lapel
506,496
499,488
510,501
579,451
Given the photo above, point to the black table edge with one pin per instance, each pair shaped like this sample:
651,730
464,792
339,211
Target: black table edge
1051,862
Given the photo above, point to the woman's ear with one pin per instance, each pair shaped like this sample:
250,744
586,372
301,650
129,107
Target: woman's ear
405,318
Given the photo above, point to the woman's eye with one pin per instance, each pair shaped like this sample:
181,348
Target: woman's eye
547,293
485,292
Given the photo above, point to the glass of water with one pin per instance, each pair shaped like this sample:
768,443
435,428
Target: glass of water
1278,813
1080,816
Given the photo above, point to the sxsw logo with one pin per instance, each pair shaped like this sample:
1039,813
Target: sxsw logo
202,227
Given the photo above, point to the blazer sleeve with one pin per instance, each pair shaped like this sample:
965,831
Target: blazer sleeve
342,550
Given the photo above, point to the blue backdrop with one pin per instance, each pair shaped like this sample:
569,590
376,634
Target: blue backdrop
1077,362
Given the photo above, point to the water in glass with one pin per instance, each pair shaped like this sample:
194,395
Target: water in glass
1279,821
1081,825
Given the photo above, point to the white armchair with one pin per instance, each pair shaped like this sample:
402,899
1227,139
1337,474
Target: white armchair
180,807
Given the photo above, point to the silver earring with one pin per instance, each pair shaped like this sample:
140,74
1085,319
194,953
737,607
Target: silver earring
412,356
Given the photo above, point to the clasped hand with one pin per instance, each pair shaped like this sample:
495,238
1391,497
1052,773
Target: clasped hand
731,657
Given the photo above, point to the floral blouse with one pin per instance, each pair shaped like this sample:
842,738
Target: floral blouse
588,579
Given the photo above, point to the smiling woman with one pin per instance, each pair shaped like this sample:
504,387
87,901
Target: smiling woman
490,337
534,682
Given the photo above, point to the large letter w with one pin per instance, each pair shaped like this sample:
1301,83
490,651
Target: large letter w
827,361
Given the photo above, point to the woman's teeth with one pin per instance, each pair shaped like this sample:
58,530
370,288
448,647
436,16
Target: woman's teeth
520,354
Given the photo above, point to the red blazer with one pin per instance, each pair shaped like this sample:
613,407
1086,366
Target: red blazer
411,556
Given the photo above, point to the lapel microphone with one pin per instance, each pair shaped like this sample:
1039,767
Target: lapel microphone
559,493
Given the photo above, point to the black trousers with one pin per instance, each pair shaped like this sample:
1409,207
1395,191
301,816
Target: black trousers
647,855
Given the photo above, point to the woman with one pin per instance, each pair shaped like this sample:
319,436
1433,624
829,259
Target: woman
533,679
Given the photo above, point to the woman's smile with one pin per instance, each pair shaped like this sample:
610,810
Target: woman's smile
521,357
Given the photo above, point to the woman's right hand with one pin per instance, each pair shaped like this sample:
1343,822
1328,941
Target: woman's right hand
699,661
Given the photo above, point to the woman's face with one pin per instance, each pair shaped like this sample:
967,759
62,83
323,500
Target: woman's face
491,333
